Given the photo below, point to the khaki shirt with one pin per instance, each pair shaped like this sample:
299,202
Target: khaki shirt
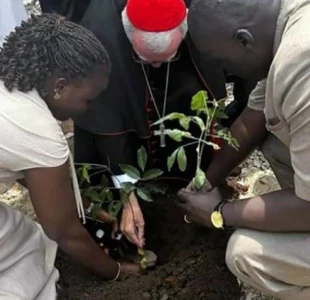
285,94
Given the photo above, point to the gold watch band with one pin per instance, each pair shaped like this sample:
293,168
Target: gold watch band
217,218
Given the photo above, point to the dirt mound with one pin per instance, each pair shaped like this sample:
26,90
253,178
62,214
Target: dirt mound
191,264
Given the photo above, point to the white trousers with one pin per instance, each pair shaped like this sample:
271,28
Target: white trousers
27,259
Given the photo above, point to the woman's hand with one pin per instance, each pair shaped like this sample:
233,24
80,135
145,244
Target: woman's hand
132,222
129,269
53,199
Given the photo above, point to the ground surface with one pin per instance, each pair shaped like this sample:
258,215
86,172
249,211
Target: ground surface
191,264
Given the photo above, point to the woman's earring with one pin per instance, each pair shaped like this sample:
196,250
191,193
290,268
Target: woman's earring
57,95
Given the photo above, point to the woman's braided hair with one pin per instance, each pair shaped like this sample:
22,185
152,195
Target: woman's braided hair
46,44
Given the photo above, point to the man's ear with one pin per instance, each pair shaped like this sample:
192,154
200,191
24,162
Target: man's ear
60,85
245,38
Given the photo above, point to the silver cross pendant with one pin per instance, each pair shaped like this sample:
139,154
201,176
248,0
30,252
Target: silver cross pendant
161,133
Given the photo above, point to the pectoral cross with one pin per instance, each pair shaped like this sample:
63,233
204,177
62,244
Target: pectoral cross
161,134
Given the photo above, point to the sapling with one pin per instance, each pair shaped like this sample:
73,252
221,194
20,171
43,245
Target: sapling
102,194
207,113
128,188
140,175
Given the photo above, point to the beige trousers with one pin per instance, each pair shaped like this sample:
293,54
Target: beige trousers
275,263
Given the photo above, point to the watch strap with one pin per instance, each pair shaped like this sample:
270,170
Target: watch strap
219,208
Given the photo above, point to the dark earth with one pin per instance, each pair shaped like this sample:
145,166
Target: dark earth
191,263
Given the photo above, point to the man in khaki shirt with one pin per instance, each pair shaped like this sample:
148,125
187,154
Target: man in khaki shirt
268,40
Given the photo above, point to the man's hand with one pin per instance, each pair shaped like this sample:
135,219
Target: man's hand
250,131
199,205
280,211
132,222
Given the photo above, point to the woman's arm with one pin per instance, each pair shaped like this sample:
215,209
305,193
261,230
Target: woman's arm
53,199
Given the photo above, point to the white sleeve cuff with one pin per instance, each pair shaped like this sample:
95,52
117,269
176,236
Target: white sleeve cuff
118,179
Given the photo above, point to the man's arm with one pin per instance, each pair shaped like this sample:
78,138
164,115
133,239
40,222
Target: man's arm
250,131
120,149
280,211
286,210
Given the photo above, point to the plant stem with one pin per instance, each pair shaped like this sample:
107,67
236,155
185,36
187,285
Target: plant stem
96,173
199,152
97,187
205,133
91,165
190,144
99,166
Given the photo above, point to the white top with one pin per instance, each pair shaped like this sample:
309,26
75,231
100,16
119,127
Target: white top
12,13
30,136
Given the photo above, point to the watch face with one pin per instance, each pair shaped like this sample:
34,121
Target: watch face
217,220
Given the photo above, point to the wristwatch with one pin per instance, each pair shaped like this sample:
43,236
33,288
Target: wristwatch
217,218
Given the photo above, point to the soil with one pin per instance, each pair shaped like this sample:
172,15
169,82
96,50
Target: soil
191,260
191,264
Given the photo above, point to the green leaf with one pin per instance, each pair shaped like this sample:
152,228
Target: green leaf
79,173
177,134
222,104
199,179
143,263
128,187
144,194
184,122
171,116
234,143
131,171
223,132
205,110
95,210
219,114
103,194
85,174
92,195
151,174
182,159
106,193
114,208
199,122
104,180
171,159
155,188
199,101
213,145
109,195
226,135
142,158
